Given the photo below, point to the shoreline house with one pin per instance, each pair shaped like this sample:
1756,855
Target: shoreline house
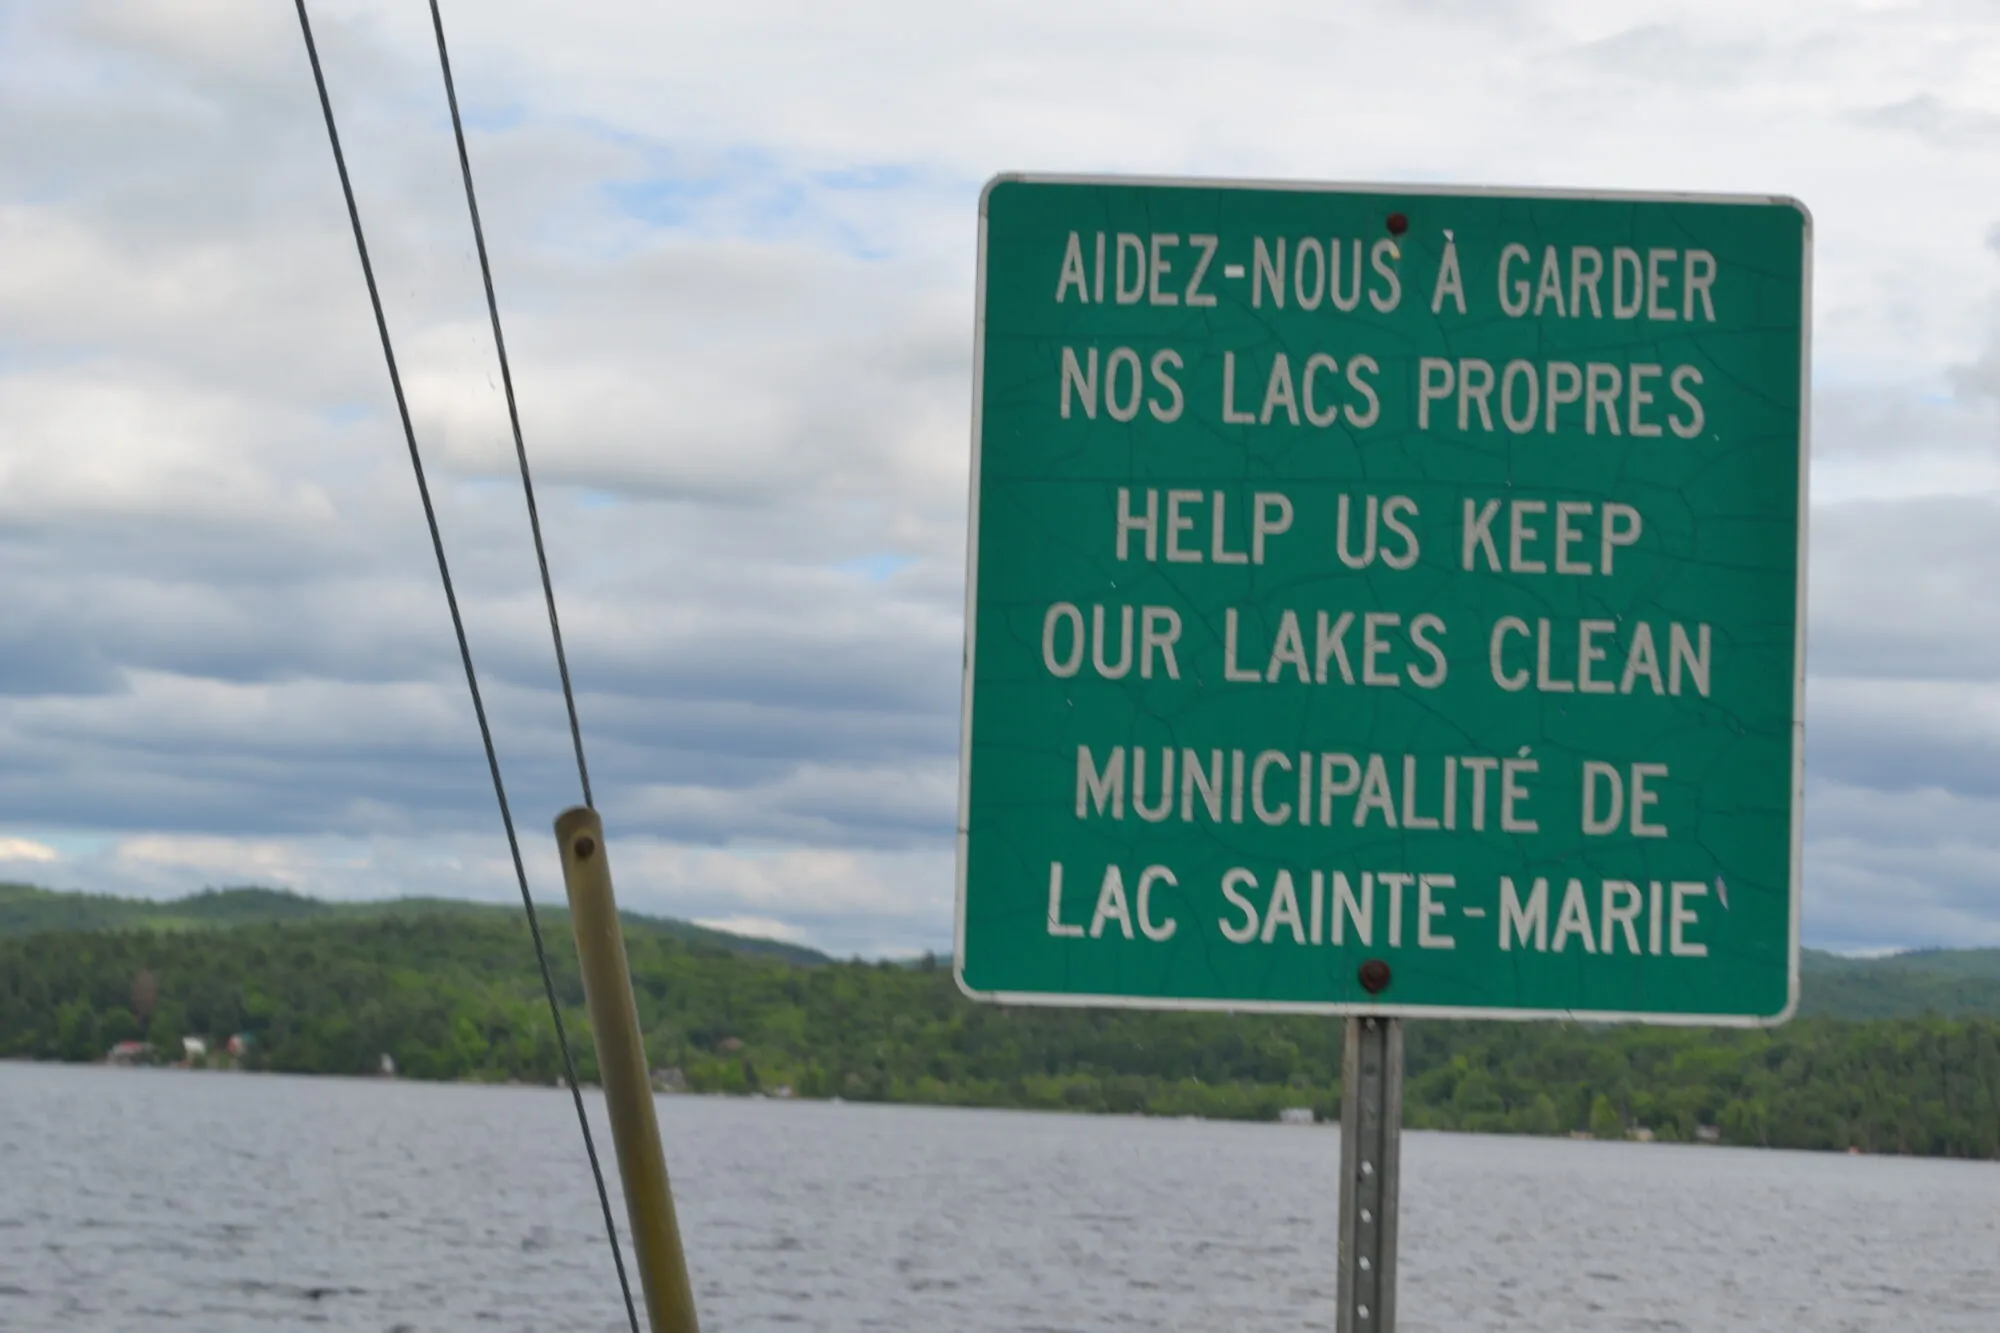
130,1053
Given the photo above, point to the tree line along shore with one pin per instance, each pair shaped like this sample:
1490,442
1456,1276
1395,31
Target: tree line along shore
1894,1056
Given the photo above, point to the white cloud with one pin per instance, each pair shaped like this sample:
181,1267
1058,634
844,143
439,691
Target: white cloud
26,851
756,927
1926,858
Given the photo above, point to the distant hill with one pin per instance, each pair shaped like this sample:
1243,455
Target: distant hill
1951,982
27,910
1948,982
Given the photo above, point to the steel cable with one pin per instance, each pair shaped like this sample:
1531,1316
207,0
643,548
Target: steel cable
458,626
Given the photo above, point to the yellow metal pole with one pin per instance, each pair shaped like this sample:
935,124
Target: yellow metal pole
621,1068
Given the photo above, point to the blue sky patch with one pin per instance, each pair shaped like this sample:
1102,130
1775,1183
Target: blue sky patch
747,193
878,567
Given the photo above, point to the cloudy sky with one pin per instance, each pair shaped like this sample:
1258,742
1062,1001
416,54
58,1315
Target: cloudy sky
734,245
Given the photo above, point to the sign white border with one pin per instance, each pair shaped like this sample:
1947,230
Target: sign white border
1059,999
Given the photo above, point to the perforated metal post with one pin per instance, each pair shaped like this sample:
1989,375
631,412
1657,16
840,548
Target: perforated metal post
1371,1143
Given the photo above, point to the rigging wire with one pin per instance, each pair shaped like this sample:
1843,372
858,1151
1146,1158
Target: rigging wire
513,413
465,653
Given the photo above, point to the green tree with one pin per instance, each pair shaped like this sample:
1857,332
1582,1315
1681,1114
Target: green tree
1604,1120
169,1025
1541,1116
76,1031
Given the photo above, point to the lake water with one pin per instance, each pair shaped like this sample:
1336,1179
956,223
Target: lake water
139,1199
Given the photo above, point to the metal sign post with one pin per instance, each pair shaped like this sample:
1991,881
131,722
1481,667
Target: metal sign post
1385,602
1371,1148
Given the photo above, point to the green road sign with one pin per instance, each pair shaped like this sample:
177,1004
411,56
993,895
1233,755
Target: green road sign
1385,576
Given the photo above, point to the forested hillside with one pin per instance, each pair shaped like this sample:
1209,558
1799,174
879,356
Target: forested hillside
1933,981
26,910
456,995
1946,982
